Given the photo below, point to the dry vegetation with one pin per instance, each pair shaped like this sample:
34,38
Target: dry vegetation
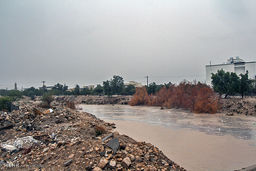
198,98
70,105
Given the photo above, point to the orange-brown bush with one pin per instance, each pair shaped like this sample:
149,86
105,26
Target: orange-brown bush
140,97
197,97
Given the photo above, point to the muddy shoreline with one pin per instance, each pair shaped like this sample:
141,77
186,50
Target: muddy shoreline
90,99
67,139
230,106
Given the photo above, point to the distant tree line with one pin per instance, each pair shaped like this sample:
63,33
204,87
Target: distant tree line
229,84
114,86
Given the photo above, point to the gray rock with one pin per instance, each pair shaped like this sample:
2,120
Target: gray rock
113,144
126,162
6,125
107,137
2,163
9,147
67,163
25,142
19,143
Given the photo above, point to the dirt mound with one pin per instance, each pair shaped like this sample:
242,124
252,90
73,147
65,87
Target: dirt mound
33,138
115,99
246,106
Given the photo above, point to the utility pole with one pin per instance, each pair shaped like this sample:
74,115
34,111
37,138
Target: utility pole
43,83
147,80
15,86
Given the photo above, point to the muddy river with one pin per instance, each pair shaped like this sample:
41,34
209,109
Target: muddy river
197,142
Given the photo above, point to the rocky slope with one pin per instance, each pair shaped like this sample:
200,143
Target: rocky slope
115,99
33,138
231,106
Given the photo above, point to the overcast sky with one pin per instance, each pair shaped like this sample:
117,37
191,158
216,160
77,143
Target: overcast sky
88,41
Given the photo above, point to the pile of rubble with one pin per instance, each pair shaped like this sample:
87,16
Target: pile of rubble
246,106
115,99
33,138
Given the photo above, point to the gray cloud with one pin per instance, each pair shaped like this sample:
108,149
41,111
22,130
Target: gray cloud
88,41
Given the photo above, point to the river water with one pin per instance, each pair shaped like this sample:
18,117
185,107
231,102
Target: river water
197,142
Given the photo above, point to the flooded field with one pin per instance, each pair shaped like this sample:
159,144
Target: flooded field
195,141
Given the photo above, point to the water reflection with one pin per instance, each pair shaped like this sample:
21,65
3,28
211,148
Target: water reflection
242,127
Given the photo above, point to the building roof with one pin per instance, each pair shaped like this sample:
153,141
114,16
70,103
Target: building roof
230,63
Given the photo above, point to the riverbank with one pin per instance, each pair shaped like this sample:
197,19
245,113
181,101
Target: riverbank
229,106
238,106
33,138
91,99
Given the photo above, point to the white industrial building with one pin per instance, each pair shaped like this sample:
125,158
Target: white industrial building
236,65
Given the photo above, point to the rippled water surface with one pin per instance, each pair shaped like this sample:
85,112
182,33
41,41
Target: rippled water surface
195,141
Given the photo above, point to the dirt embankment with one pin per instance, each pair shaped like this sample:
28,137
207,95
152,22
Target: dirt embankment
230,106
33,138
115,99
246,106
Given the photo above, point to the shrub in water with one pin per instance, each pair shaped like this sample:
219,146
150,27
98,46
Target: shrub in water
197,97
140,97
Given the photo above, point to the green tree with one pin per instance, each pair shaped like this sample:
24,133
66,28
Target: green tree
168,85
117,84
129,90
152,88
58,86
235,83
59,89
107,88
77,90
65,88
230,84
245,84
98,90
14,94
32,92
221,82
86,91
5,103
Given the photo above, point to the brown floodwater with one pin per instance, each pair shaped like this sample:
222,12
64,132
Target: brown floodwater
197,142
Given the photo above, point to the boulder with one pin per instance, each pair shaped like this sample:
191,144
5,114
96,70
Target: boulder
67,163
103,162
126,162
113,144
